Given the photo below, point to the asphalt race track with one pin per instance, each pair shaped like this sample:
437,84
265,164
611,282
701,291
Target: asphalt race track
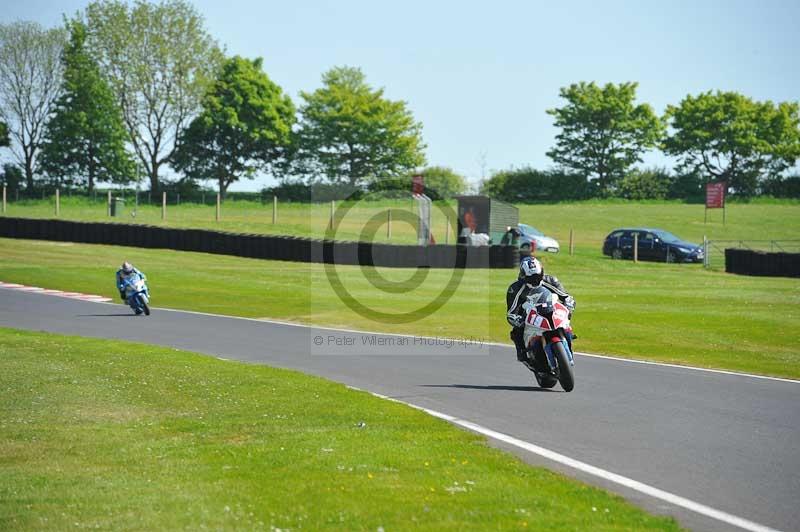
728,442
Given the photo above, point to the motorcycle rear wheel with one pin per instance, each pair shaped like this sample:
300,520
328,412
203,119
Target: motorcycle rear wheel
565,376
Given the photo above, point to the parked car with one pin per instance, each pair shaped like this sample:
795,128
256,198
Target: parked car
529,235
654,244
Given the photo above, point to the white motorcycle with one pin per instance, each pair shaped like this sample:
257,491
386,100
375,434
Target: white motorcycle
137,295
547,328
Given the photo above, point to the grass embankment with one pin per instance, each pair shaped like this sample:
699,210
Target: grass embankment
117,435
242,216
667,312
590,220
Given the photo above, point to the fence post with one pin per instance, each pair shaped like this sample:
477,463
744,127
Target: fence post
333,206
635,247
274,210
388,224
217,206
446,230
164,205
571,242
4,199
179,198
108,203
705,252
58,202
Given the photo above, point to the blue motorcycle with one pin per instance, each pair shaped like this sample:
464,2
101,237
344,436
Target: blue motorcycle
136,294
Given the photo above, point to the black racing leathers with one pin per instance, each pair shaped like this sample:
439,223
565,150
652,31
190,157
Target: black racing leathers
516,295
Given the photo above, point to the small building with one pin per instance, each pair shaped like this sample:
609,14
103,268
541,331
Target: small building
484,215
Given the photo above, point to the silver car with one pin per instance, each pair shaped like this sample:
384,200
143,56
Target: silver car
529,236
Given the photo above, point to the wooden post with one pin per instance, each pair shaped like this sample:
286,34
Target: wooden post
274,209
388,224
163,205
108,203
58,202
571,242
217,206
705,252
4,199
635,247
333,207
136,205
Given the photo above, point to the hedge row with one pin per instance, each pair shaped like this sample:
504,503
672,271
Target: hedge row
271,247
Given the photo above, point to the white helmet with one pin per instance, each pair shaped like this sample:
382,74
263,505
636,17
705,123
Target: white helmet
531,270
127,267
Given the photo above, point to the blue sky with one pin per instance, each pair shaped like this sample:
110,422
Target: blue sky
480,75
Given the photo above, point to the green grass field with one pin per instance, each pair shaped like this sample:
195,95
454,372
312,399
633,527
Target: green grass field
667,312
117,435
590,221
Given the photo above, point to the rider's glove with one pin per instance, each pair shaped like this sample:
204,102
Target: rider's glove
515,320
569,302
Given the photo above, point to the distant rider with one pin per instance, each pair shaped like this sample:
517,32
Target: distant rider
531,275
125,273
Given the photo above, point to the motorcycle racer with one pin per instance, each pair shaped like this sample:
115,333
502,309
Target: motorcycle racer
531,276
126,273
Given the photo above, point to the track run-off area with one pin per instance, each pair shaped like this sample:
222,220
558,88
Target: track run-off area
717,450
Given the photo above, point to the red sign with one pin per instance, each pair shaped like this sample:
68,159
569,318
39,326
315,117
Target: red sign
715,195
417,184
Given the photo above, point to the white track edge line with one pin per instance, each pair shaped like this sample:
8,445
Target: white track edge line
629,483
507,346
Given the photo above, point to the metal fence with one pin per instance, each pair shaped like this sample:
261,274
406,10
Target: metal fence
714,250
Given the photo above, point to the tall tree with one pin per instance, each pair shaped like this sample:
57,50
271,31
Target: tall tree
350,133
603,132
85,138
30,77
727,136
159,60
245,126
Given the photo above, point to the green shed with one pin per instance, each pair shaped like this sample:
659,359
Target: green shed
482,214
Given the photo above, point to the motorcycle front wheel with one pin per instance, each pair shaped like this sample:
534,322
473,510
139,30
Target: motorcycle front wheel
565,376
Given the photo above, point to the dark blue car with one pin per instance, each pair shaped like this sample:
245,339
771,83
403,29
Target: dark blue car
654,244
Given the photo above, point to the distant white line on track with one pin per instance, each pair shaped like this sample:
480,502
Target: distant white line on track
507,346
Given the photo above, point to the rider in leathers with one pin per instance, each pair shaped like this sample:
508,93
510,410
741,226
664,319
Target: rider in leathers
531,275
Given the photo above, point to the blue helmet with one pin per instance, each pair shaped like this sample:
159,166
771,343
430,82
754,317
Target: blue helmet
531,270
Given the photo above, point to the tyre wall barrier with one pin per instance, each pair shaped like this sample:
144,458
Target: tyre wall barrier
762,263
272,247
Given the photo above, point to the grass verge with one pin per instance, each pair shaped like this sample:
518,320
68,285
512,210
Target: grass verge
666,312
117,435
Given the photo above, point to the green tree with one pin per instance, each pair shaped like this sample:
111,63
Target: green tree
159,61
444,181
245,126
350,133
603,132
5,140
11,177
650,183
529,185
30,78
727,136
85,138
